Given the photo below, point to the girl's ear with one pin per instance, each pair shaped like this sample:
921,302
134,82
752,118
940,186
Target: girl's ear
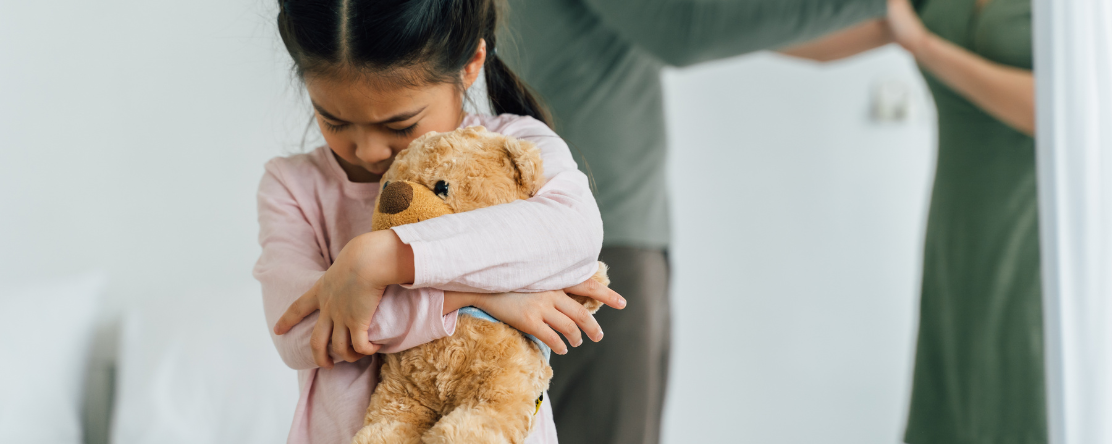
472,68
526,159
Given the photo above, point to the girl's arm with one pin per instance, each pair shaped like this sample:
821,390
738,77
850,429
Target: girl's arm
1005,92
291,270
546,242
540,314
291,264
550,241
839,45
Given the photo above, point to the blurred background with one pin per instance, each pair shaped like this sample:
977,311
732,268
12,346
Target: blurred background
132,139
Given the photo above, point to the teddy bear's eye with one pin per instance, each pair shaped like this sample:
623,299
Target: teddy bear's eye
385,184
441,188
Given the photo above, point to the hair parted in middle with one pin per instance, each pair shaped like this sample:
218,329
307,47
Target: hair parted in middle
406,42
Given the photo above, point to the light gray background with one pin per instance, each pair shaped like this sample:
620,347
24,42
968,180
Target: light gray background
132,137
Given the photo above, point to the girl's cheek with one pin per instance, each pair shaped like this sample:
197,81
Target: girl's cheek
344,148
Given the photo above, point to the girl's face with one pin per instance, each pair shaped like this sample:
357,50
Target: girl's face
367,123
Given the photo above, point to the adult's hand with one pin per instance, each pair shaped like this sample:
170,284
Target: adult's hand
905,26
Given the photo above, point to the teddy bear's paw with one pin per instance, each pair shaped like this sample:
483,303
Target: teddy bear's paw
600,277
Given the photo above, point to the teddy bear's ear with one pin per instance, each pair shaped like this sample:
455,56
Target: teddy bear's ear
526,159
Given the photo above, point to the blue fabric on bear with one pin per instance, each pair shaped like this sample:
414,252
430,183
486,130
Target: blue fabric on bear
479,314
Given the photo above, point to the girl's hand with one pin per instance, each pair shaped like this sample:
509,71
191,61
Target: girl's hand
348,295
905,26
539,314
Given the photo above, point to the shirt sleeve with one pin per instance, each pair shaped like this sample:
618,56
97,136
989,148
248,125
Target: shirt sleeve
685,32
292,261
549,241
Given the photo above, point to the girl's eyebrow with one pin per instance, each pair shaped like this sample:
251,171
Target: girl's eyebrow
395,118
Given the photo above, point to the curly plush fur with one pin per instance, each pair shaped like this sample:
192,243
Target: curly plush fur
481,384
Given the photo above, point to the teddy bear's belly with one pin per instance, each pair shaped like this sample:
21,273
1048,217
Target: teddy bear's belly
485,361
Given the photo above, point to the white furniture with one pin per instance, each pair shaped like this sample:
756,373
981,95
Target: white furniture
199,367
176,367
45,339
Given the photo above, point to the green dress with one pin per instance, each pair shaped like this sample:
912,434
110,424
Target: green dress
979,375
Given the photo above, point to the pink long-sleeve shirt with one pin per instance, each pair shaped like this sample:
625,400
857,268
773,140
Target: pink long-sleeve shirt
308,211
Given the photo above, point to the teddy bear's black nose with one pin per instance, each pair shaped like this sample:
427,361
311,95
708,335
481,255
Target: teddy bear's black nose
395,198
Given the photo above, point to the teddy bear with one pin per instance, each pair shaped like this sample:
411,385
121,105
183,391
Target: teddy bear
484,383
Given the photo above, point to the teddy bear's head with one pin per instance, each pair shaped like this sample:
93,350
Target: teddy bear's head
453,172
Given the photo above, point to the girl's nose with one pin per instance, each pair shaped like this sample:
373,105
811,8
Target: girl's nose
372,150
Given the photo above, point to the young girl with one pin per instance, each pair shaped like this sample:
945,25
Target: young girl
379,74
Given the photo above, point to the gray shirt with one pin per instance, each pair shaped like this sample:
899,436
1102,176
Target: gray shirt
597,63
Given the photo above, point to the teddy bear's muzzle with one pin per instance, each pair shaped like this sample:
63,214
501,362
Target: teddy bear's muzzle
396,197
403,202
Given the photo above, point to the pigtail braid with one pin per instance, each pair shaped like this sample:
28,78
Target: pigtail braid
508,94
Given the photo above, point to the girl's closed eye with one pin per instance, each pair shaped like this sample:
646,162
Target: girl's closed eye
334,127
405,132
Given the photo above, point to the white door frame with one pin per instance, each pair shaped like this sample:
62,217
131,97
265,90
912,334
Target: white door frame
1073,75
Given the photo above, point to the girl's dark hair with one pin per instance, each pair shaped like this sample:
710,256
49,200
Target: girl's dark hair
409,42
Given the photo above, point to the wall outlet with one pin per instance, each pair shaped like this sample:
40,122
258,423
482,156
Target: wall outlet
891,101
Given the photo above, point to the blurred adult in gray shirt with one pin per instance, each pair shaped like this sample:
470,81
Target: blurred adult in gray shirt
597,65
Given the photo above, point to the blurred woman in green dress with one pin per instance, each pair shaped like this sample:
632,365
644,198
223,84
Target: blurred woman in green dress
979,359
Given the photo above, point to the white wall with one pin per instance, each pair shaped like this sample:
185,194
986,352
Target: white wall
796,259
132,137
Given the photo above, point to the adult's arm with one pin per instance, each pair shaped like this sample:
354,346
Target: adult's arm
685,32
1005,92
846,43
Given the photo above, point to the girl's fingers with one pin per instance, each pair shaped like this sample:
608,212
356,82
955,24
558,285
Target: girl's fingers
594,290
341,344
582,318
547,336
361,343
302,307
322,332
565,325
